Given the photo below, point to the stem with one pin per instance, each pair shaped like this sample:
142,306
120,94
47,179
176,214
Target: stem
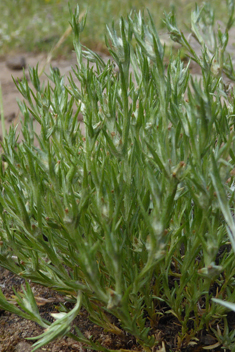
2,114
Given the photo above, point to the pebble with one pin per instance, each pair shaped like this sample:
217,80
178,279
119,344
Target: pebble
16,62
10,117
23,347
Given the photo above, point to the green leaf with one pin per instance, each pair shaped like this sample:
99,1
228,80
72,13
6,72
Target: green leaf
59,328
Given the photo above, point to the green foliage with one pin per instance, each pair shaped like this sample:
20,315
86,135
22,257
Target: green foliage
37,25
136,217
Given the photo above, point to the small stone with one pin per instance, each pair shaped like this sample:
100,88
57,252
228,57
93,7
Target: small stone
16,62
23,347
10,117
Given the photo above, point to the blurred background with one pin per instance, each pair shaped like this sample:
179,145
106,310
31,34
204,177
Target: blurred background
37,25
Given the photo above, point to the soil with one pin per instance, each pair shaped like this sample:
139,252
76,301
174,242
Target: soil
13,329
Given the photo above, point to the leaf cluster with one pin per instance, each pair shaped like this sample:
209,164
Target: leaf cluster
136,217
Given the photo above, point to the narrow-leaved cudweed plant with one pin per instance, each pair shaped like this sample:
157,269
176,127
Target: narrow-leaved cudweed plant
134,220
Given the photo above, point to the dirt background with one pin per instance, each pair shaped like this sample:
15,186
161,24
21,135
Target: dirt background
13,329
